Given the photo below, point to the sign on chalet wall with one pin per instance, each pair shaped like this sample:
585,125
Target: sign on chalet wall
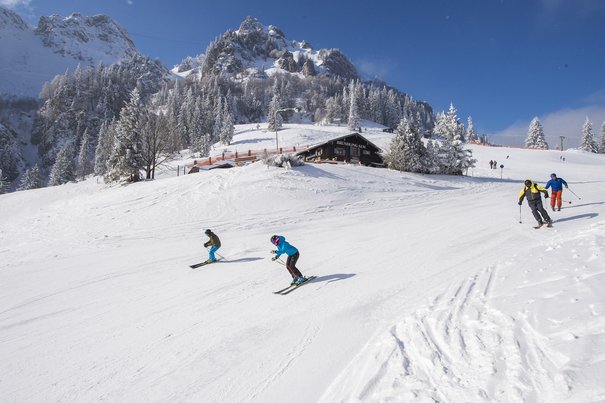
352,148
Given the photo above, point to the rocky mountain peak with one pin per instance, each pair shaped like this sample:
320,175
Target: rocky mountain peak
250,25
254,47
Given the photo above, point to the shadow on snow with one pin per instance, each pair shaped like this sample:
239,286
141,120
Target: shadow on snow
577,217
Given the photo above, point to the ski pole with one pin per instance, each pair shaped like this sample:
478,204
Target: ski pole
566,201
520,221
278,260
579,198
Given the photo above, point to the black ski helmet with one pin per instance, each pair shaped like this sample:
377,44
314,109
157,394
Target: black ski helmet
553,175
275,239
527,182
207,232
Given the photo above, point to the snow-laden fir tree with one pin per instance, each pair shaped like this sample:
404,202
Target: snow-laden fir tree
218,121
471,134
104,147
198,139
227,127
454,158
31,179
535,135
432,157
406,152
4,184
440,128
587,143
353,120
396,152
453,127
125,162
274,118
602,145
63,169
10,158
85,165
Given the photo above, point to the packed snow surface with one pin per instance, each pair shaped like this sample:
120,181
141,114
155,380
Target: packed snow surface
429,288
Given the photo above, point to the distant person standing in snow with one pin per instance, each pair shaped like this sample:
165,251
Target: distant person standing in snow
491,164
293,255
557,190
495,164
214,244
532,191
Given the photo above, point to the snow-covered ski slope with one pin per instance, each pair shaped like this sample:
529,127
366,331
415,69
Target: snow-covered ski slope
428,289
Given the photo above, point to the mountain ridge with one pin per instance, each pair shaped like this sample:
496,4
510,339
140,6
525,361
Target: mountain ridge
32,56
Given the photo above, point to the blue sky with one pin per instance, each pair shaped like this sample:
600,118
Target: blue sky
500,61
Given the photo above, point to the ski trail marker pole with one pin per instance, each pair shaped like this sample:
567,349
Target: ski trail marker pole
579,198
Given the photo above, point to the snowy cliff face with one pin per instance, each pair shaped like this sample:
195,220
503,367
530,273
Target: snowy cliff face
254,50
87,39
33,56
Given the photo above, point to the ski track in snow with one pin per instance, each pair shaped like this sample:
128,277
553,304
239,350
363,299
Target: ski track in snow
469,345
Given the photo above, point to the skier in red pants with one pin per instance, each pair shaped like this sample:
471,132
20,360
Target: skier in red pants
557,191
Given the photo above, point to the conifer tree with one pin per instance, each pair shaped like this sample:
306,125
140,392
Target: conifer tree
31,179
535,135
125,161
587,142
453,128
63,170
407,153
353,120
85,165
227,128
432,157
274,118
218,120
104,147
471,134
4,184
440,128
602,145
395,155
391,109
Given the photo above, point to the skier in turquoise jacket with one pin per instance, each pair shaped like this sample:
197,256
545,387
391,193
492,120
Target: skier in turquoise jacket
284,247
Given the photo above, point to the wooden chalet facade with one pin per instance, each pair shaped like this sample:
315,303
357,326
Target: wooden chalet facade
352,148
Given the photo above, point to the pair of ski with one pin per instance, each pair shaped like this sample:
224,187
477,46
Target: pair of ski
195,266
292,287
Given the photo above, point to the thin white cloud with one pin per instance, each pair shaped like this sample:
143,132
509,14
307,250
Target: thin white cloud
12,4
129,2
374,68
565,122
580,7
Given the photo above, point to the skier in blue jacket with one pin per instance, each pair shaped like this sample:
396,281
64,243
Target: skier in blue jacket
284,247
557,190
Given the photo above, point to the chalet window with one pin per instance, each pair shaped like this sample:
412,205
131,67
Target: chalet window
340,151
354,151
